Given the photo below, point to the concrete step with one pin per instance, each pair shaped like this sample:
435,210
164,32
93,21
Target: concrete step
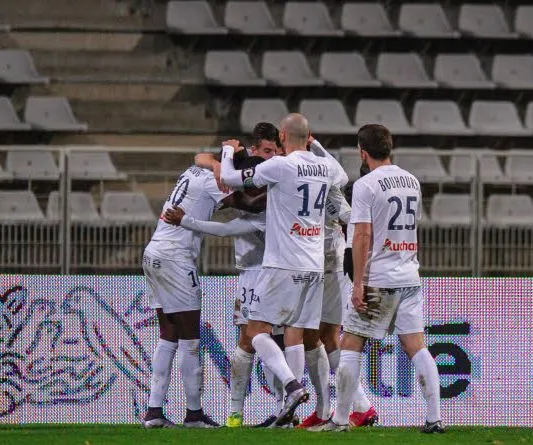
145,117
104,65
137,140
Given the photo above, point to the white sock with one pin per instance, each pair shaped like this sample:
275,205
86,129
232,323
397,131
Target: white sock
161,370
275,386
347,374
318,365
334,358
361,404
191,372
295,356
428,377
241,369
273,357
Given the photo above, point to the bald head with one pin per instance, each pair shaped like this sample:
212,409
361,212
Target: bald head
294,132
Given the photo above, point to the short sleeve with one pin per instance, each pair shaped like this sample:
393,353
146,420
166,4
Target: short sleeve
211,188
362,198
268,172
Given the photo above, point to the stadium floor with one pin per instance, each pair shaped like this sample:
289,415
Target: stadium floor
132,434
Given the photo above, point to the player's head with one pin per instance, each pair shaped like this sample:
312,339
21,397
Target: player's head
375,143
294,132
265,140
249,162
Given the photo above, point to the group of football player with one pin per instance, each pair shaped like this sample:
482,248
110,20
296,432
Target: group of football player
296,269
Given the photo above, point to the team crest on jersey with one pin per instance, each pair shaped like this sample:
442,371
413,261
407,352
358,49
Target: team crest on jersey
298,230
403,246
248,176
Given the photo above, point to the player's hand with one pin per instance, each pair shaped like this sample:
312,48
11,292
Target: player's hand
235,144
310,140
173,215
358,298
216,173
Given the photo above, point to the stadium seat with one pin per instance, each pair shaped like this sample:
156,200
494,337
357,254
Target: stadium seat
496,118
485,21
326,116
261,110
192,17
367,19
425,20
489,167
288,68
95,165
426,164
309,19
448,209
385,112
509,210
230,68
51,114
250,17
37,165
346,70
511,71
81,205
462,71
19,206
403,70
519,166
126,207
351,162
523,21
529,116
5,175
439,117
17,67
462,166
9,120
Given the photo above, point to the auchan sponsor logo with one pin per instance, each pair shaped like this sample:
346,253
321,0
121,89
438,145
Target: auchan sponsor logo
402,246
298,230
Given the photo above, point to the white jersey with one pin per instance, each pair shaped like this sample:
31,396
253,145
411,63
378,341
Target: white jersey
389,198
197,193
250,247
298,185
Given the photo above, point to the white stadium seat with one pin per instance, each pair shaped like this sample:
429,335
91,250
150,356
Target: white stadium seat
346,70
192,17
19,206
36,165
126,207
250,17
462,71
261,110
523,21
93,165
385,112
509,210
81,204
288,68
449,209
403,70
51,114
367,19
519,166
511,71
230,68
439,117
309,19
496,118
17,67
326,116
424,163
425,20
351,162
485,21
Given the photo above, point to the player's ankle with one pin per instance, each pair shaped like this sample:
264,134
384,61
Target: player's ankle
292,386
153,413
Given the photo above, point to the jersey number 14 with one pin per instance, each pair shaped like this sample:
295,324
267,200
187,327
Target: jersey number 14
319,202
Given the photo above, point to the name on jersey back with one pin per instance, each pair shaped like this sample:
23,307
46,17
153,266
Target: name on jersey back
396,182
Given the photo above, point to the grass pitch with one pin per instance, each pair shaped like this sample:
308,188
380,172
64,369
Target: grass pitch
46,434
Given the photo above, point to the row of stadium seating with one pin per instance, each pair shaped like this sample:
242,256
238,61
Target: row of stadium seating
41,165
438,117
364,19
42,113
133,207
349,69
429,165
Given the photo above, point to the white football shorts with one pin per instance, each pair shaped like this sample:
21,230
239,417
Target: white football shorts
288,298
396,311
337,292
246,289
171,285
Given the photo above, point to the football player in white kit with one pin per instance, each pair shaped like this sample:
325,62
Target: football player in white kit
290,285
173,289
387,295
322,351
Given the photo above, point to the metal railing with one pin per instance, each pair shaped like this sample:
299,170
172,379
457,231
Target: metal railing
65,245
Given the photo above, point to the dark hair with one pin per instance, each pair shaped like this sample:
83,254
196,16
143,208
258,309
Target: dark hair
376,140
247,162
267,131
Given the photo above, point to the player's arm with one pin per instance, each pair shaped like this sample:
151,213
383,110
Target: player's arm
336,205
242,201
340,177
265,173
210,162
362,219
238,226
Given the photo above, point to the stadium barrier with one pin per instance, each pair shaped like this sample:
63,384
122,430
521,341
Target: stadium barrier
66,245
78,349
